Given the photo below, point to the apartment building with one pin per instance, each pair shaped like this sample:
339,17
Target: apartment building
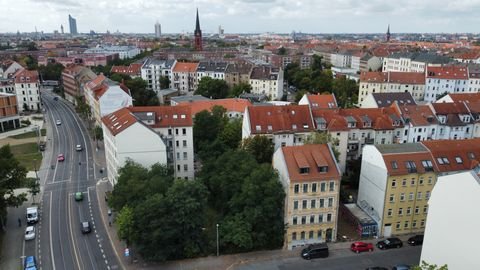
311,180
267,81
9,117
237,73
74,77
454,120
445,79
214,70
391,82
314,102
413,61
420,123
123,52
133,70
153,69
184,77
126,137
382,100
27,89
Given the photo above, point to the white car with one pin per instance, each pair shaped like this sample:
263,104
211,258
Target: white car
78,147
30,233
59,122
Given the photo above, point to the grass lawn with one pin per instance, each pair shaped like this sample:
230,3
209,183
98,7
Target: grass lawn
30,134
26,154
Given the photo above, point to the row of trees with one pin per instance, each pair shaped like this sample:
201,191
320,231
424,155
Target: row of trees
319,79
216,88
167,218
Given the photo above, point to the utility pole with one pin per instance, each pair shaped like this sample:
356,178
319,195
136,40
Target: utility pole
218,251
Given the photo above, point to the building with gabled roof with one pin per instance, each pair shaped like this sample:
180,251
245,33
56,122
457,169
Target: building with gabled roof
413,61
267,81
153,69
445,79
420,123
284,125
237,73
311,180
324,101
133,70
212,69
454,120
174,124
460,97
27,89
381,100
74,77
127,138
235,107
184,77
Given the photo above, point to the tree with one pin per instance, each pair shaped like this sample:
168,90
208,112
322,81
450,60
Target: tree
282,51
164,82
324,138
52,71
345,91
231,135
240,88
98,133
12,175
207,126
427,266
125,223
259,147
212,88
141,96
317,62
120,77
33,187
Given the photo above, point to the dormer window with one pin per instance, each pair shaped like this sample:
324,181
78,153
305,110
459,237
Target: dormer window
258,128
322,169
367,124
270,128
304,170
458,160
294,126
442,119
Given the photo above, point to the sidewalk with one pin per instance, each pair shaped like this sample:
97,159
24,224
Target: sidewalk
31,127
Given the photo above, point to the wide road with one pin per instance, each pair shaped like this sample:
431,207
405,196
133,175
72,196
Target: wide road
344,259
60,243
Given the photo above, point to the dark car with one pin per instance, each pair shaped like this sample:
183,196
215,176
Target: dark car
415,240
86,227
377,268
391,242
315,251
401,267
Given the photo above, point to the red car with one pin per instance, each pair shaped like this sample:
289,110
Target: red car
60,157
361,246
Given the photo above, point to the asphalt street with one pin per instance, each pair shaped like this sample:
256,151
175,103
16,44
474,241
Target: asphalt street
60,243
343,259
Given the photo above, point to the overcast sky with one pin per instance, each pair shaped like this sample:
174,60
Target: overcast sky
244,16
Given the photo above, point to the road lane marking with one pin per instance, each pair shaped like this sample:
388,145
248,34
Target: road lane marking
71,232
51,240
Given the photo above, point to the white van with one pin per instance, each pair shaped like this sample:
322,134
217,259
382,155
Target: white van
78,147
32,215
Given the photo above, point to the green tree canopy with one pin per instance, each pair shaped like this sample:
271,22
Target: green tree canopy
240,88
164,82
231,134
52,71
12,176
141,96
345,91
212,88
207,126
259,147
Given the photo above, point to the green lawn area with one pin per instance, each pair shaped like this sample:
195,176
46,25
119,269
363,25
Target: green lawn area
26,154
30,134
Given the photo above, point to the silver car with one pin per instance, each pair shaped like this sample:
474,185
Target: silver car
30,233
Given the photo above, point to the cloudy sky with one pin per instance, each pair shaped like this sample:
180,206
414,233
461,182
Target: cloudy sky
243,16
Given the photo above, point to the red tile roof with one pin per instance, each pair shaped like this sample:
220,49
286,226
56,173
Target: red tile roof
418,115
166,116
448,72
96,82
450,108
279,119
393,77
118,121
133,69
400,160
310,156
26,76
454,155
467,97
326,101
231,104
185,67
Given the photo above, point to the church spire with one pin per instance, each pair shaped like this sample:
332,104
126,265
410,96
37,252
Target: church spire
197,25
198,35
388,33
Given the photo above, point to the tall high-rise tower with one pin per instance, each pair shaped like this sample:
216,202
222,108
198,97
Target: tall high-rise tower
73,25
388,33
198,35
61,29
158,29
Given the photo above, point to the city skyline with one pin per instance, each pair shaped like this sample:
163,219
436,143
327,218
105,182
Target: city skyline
279,16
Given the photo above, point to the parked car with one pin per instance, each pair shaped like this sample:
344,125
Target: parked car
86,227
59,122
401,267
55,98
78,196
60,157
315,251
415,240
41,146
377,268
30,263
78,147
30,233
391,242
361,247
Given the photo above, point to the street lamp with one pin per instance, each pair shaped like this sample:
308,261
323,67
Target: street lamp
217,241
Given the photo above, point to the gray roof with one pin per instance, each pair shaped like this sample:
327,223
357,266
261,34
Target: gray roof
145,116
159,62
387,99
350,119
425,57
168,91
212,66
401,148
181,99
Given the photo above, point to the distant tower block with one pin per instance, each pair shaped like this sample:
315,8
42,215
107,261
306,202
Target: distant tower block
198,35
388,33
61,29
158,30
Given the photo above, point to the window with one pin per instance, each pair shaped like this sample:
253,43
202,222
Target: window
402,197
176,131
312,203
412,182
394,183
178,168
471,155
419,195
427,195
320,218
411,166
417,210
184,131
414,224
427,164
294,236
302,235
319,234
295,205
323,187
430,180
410,196
294,221
332,186
310,235
389,212
329,217
404,182
400,211
397,226
184,155
405,225
322,203
185,167
422,223
330,202
409,211
296,188
305,188
304,219
458,160
312,219
314,187
425,209
420,181
304,204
